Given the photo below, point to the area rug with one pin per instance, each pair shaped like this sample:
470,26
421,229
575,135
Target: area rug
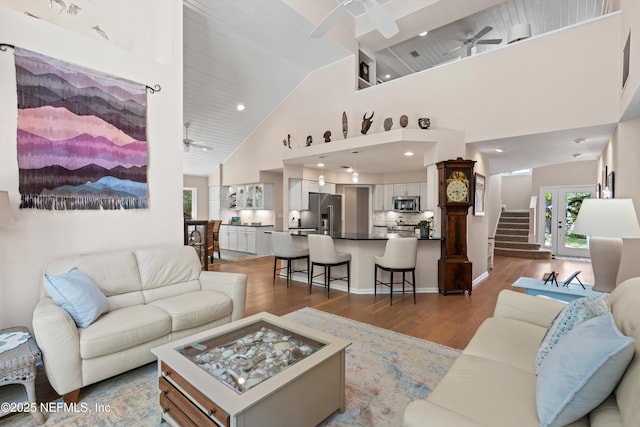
384,372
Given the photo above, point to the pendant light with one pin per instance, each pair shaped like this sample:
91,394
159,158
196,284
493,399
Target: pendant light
321,180
355,176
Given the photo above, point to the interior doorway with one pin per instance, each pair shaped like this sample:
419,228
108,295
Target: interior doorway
558,208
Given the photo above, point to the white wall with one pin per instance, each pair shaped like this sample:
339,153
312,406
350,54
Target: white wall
516,191
555,90
38,236
201,184
564,174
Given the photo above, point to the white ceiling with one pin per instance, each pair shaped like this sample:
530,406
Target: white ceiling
255,52
225,41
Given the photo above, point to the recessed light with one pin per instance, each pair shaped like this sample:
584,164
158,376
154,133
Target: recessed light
424,33
576,155
579,140
320,165
387,76
499,150
408,153
240,107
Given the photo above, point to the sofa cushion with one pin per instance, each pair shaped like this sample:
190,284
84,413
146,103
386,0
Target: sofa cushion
195,308
162,266
121,329
75,292
508,341
581,371
489,392
576,312
101,267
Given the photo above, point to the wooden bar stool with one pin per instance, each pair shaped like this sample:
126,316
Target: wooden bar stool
285,249
399,257
322,252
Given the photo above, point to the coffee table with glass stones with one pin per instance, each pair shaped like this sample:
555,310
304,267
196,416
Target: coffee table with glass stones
262,370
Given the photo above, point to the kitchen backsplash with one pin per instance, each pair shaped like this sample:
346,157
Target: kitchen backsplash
390,218
266,217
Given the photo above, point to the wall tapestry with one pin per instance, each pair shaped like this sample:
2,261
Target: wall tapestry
82,140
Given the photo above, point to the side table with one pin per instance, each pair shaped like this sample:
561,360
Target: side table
18,366
567,293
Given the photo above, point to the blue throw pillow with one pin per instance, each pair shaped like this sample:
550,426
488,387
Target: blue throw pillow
78,295
581,371
574,313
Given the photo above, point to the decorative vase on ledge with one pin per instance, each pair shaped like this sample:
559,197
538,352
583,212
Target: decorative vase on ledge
424,233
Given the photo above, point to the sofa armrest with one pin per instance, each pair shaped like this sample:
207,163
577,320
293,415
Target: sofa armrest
57,336
422,413
232,284
528,308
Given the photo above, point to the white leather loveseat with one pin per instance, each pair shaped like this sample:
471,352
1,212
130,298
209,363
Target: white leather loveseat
494,384
154,295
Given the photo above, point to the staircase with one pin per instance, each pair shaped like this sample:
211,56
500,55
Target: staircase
512,237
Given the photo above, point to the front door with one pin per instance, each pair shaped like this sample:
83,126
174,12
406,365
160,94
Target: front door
558,209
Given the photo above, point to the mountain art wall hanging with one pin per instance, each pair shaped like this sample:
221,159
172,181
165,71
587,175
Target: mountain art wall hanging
82,140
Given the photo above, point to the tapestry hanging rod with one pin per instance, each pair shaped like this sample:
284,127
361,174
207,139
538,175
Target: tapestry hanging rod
151,89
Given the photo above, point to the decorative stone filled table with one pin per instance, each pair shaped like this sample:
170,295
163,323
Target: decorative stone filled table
261,370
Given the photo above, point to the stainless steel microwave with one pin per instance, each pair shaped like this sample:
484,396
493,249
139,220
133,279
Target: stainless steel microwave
406,204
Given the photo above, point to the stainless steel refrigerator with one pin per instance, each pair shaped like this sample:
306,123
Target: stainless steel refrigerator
324,214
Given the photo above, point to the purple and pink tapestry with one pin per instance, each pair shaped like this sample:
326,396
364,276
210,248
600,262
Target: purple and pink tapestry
81,137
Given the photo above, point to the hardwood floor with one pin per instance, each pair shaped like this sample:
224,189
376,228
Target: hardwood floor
449,320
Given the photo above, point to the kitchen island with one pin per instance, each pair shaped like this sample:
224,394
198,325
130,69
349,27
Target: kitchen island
363,247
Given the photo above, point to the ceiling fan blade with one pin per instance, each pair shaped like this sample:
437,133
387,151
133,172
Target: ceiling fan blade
489,41
481,33
380,18
329,20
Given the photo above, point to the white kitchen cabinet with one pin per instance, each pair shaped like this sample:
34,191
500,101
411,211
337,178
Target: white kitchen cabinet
424,202
327,188
388,197
242,238
406,189
299,193
250,196
378,197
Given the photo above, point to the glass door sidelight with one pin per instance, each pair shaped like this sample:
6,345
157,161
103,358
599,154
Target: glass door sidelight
558,209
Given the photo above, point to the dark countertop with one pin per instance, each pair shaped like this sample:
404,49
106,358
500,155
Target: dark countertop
248,225
361,236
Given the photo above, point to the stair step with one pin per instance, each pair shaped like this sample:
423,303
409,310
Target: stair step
515,219
513,231
515,213
522,225
517,245
523,253
511,238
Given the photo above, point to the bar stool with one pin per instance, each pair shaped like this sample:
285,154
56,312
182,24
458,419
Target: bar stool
323,252
399,257
285,249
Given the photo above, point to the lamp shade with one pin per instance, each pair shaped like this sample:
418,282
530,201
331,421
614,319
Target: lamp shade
6,216
607,218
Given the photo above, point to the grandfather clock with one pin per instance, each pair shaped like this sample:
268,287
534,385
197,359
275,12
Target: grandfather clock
455,195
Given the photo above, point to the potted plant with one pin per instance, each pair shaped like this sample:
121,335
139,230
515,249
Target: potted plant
424,227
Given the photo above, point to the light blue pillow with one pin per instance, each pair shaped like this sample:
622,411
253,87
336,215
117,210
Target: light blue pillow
574,313
78,295
581,371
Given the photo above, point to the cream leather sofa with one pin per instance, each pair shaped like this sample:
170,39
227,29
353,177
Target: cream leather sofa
155,296
493,382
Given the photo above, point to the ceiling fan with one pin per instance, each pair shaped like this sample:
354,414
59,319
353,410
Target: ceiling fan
472,40
187,142
380,18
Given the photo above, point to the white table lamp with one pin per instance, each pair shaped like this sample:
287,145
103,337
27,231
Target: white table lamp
607,221
6,215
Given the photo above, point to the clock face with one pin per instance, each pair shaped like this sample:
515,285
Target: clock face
457,191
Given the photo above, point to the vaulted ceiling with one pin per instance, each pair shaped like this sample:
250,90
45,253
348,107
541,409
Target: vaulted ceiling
255,52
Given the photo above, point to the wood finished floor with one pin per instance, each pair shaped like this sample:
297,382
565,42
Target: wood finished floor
449,320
